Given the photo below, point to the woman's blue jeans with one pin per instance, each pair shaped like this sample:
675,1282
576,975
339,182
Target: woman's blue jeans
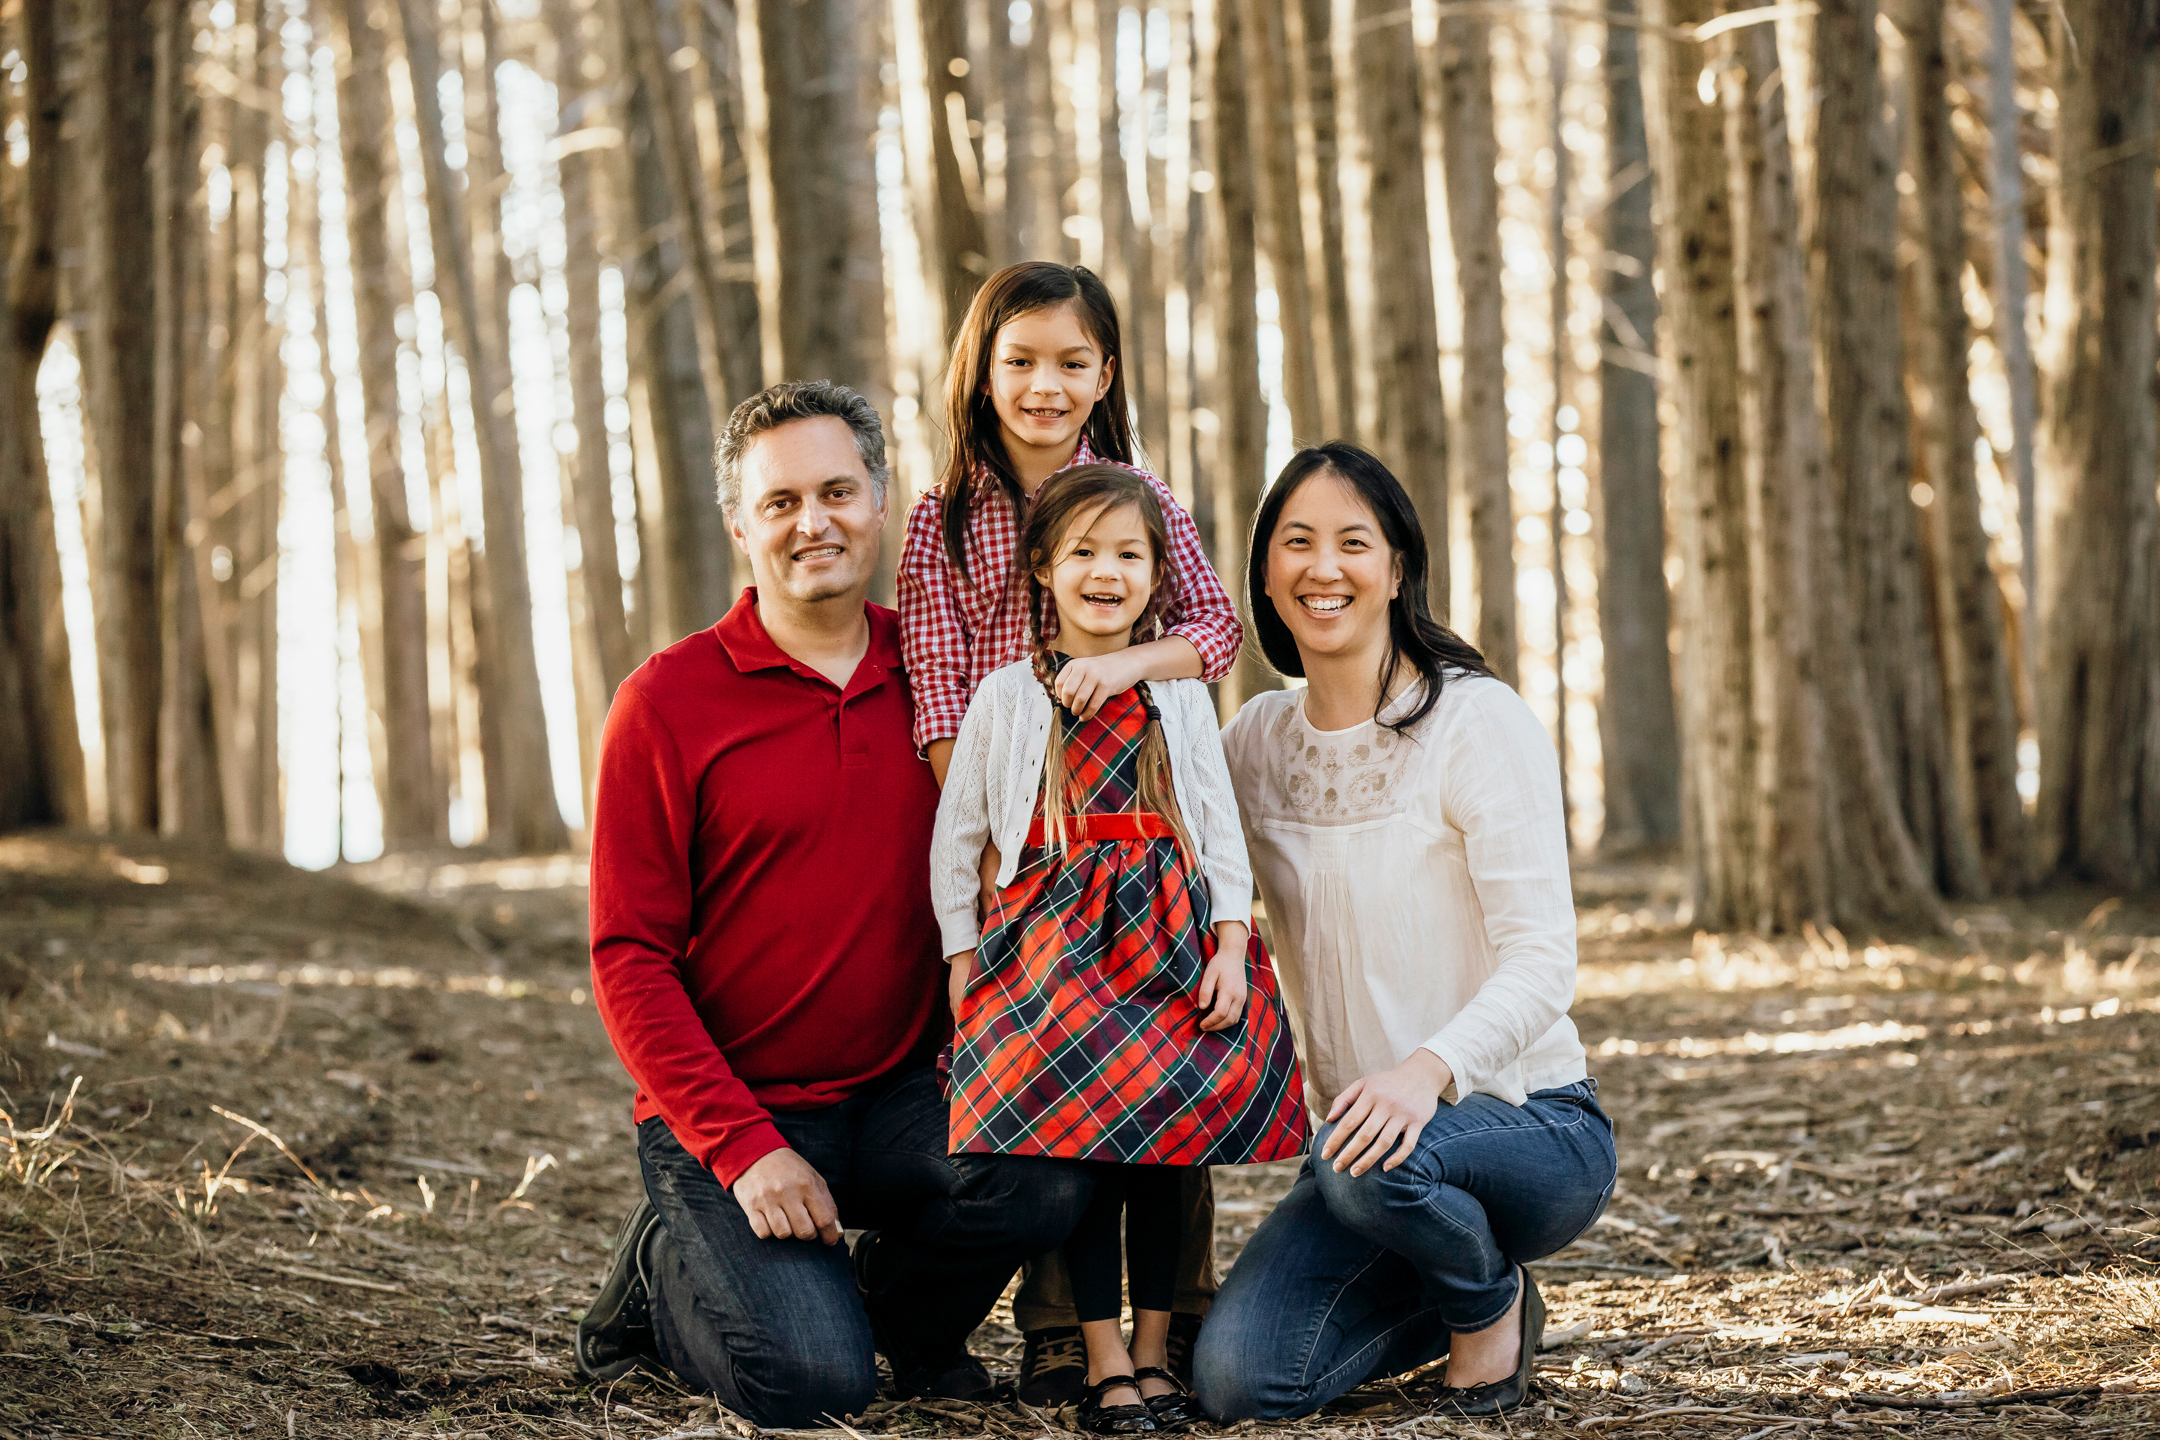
1355,1276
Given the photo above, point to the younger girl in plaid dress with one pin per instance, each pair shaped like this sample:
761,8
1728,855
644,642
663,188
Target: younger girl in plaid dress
1112,1006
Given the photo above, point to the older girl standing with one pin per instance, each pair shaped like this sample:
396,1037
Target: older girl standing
1403,817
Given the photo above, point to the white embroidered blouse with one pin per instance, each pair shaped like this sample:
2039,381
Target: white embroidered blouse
1416,888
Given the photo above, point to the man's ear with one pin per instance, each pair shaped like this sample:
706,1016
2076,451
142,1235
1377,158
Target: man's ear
734,529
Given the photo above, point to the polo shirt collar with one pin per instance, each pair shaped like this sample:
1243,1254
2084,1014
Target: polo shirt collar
751,647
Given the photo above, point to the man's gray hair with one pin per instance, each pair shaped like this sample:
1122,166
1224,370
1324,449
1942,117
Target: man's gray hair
790,400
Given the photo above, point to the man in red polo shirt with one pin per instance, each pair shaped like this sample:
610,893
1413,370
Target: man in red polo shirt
766,962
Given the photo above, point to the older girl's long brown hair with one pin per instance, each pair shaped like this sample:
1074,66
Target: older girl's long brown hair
978,468
1076,497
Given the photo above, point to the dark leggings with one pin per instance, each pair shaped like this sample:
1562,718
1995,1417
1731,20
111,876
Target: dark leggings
1148,1197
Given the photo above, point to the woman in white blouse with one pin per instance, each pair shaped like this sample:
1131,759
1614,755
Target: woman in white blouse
1403,817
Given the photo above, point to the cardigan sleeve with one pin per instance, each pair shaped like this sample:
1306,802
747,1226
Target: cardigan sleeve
1216,829
1501,788
963,823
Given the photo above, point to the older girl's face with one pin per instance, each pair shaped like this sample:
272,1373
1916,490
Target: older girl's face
1330,571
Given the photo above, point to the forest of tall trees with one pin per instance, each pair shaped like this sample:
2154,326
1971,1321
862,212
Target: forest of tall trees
1777,382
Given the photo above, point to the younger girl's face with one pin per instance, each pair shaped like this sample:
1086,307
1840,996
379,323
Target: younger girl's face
1046,373
1101,580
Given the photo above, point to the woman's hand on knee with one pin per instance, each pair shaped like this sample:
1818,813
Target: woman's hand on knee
1379,1118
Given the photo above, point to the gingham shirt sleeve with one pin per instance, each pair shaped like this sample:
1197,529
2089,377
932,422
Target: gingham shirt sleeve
933,642
1201,610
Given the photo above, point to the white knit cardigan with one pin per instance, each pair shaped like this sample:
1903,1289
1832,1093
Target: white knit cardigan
996,775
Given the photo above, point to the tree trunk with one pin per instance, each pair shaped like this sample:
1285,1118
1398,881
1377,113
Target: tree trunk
1307,35
2006,194
1636,724
189,799
1269,61
820,288
1240,439
41,760
927,39
1473,206
674,145
1979,702
1699,369
120,295
411,799
588,481
534,821
1395,329
2099,815
1831,842
1853,249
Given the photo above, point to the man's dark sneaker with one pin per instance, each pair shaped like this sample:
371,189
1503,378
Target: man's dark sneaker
616,1332
1053,1365
1184,1335
959,1377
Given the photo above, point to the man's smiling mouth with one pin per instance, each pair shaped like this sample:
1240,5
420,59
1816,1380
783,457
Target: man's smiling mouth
820,552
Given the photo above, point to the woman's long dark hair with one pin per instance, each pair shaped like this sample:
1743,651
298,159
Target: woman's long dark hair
978,465
1415,638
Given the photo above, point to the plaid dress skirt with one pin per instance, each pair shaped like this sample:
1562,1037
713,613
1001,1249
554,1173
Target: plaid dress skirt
1079,1036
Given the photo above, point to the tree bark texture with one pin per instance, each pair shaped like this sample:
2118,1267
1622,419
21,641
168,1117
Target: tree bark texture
41,760
189,797
2099,814
411,798
1699,369
1979,703
117,125
820,282
588,482
1308,31
1395,329
1471,148
1269,63
1233,391
1638,733
533,821
1853,254
1832,845
928,36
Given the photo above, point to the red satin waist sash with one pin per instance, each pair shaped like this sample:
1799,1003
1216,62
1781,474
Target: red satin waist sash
1143,826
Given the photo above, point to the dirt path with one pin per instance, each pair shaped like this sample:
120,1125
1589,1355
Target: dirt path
1891,1188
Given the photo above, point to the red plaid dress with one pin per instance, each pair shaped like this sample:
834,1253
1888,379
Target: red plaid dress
1079,1036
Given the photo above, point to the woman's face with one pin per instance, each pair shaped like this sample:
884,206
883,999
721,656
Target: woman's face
1330,570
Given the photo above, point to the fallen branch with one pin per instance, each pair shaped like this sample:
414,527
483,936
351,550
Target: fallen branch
1970,1402
358,1284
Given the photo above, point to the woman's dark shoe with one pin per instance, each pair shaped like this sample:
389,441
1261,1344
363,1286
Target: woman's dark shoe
1500,1396
616,1332
1178,1410
1100,1419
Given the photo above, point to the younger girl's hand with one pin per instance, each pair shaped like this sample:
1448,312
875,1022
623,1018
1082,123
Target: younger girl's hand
1385,1110
1085,683
1222,983
956,982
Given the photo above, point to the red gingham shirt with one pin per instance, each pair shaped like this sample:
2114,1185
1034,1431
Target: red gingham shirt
954,630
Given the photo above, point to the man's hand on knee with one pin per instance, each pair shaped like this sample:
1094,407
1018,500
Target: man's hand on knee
785,1199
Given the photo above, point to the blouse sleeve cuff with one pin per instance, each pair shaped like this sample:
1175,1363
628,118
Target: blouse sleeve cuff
1460,1082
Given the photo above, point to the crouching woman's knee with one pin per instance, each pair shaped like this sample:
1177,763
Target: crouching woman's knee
1232,1381
1371,1203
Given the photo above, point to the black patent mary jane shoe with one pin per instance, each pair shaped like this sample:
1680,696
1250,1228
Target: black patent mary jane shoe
1099,1419
1178,1410
1500,1396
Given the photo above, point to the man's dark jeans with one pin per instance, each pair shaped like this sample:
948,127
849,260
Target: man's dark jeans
776,1328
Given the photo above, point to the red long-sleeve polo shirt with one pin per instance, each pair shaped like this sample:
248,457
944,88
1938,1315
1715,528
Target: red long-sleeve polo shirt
762,936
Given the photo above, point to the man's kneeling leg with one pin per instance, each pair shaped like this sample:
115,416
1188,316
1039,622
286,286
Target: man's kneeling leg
773,1328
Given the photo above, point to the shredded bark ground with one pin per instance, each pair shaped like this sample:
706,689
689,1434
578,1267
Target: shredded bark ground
341,1155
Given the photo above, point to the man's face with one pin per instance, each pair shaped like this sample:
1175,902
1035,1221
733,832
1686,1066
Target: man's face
809,518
